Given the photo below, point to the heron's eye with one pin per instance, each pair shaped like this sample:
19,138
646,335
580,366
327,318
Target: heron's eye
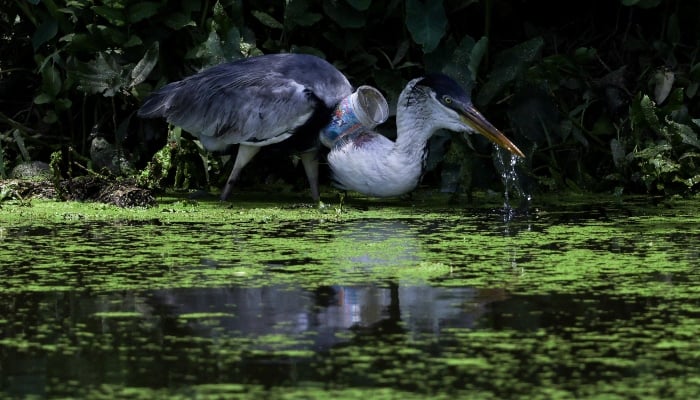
447,99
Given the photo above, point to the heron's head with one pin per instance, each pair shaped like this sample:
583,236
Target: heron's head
450,107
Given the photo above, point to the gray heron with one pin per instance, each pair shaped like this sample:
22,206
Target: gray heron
268,99
367,162
255,102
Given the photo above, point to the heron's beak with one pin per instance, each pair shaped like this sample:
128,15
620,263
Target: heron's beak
478,123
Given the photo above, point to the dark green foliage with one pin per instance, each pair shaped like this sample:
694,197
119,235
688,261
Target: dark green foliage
600,95
427,22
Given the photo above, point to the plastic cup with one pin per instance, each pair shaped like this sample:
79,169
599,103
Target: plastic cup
364,109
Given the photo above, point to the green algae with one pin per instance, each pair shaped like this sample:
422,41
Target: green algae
216,300
117,314
204,315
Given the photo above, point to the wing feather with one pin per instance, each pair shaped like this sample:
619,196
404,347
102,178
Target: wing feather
251,100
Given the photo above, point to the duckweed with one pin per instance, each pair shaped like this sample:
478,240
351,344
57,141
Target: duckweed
373,299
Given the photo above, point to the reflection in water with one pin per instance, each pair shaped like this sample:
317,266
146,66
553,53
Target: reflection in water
266,331
168,332
379,243
609,312
366,247
326,311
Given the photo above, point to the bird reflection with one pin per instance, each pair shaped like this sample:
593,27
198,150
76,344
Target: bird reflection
383,296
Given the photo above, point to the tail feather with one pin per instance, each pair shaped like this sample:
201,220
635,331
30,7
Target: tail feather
153,106
156,103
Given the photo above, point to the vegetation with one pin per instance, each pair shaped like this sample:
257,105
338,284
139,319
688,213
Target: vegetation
592,298
602,96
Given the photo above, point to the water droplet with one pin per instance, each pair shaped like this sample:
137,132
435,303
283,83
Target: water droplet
511,184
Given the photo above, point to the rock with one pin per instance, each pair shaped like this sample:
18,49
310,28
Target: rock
105,155
31,170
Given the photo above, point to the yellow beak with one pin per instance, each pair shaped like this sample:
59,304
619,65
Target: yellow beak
474,119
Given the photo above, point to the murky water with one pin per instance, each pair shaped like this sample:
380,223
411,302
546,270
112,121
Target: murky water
592,300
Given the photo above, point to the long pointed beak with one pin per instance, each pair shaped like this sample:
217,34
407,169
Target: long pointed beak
478,123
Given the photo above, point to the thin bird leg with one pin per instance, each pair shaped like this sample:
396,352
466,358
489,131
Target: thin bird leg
309,160
245,154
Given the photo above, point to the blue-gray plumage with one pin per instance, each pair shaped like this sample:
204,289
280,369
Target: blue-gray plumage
268,99
255,102
370,163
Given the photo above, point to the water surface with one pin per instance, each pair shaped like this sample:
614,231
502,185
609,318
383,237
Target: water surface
392,300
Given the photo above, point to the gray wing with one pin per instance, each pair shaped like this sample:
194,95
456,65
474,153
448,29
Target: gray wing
257,99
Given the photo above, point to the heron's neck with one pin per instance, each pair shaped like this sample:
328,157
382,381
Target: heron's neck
413,129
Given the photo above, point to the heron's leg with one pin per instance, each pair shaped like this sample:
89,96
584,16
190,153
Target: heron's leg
245,154
310,161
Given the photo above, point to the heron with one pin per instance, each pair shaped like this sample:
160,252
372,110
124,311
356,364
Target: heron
368,162
267,99
255,102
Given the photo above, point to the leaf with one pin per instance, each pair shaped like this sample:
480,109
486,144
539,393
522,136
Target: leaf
695,72
648,3
343,14
690,182
584,55
45,32
618,153
664,165
648,110
178,21
654,150
477,55
50,80
115,16
50,117
684,132
144,67
637,120
641,3
401,51
63,104
297,13
464,62
215,50
77,42
100,76
673,32
232,45
360,5
458,65
510,64
663,83
113,36
426,22
210,50
307,50
133,42
19,141
267,20
142,10
190,6
43,98
219,11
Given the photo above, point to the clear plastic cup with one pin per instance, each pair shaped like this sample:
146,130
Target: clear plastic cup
365,108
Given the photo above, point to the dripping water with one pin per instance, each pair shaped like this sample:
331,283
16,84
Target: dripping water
512,186
506,164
